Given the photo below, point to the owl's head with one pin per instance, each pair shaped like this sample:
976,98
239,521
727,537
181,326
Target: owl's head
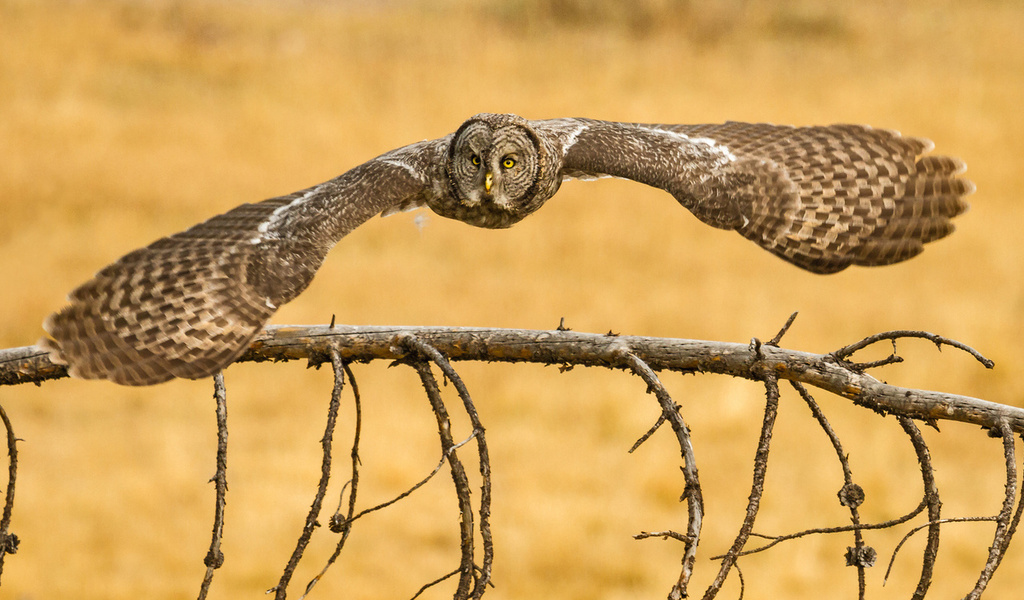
499,172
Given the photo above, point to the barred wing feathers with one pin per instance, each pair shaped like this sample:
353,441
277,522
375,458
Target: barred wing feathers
822,198
189,304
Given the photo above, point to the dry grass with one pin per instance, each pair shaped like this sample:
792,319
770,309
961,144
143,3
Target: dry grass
124,121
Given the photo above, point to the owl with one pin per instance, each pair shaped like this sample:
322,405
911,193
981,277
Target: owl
822,198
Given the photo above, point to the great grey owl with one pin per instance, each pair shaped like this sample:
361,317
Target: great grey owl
822,198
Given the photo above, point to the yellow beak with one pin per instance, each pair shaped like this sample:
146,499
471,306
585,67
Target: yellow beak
488,182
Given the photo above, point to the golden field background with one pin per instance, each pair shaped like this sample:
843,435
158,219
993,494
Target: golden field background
121,122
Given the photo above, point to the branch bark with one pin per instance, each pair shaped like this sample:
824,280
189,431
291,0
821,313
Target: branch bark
825,371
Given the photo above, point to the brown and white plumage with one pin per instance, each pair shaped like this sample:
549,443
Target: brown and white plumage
822,198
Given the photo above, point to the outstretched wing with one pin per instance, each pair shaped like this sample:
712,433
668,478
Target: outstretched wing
822,198
190,304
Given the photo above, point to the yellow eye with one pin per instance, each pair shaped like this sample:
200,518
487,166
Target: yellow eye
473,158
509,162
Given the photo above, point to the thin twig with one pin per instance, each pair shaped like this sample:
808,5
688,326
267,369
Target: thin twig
1016,519
437,468
692,491
1005,521
785,328
357,433
757,486
281,590
427,586
647,435
8,541
938,340
860,367
778,539
929,525
851,495
643,535
931,497
215,558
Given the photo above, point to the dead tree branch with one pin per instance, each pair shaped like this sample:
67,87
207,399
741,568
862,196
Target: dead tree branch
825,371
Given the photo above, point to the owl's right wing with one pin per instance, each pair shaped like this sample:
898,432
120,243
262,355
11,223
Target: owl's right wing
822,197
189,304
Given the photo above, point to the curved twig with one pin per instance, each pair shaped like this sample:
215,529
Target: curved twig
466,568
778,539
281,590
851,495
757,486
1006,522
8,541
692,491
452,375
929,525
338,524
938,340
931,497
215,558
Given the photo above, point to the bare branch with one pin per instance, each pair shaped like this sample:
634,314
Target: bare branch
778,539
643,535
313,343
428,585
930,525
766,363
647,435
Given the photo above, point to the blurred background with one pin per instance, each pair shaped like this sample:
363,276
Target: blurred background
123,121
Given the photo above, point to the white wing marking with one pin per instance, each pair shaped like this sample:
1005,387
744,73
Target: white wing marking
570,139
263,231
587,176
404,165
712,145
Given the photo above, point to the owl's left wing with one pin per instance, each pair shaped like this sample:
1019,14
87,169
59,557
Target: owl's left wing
822,198
190,304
